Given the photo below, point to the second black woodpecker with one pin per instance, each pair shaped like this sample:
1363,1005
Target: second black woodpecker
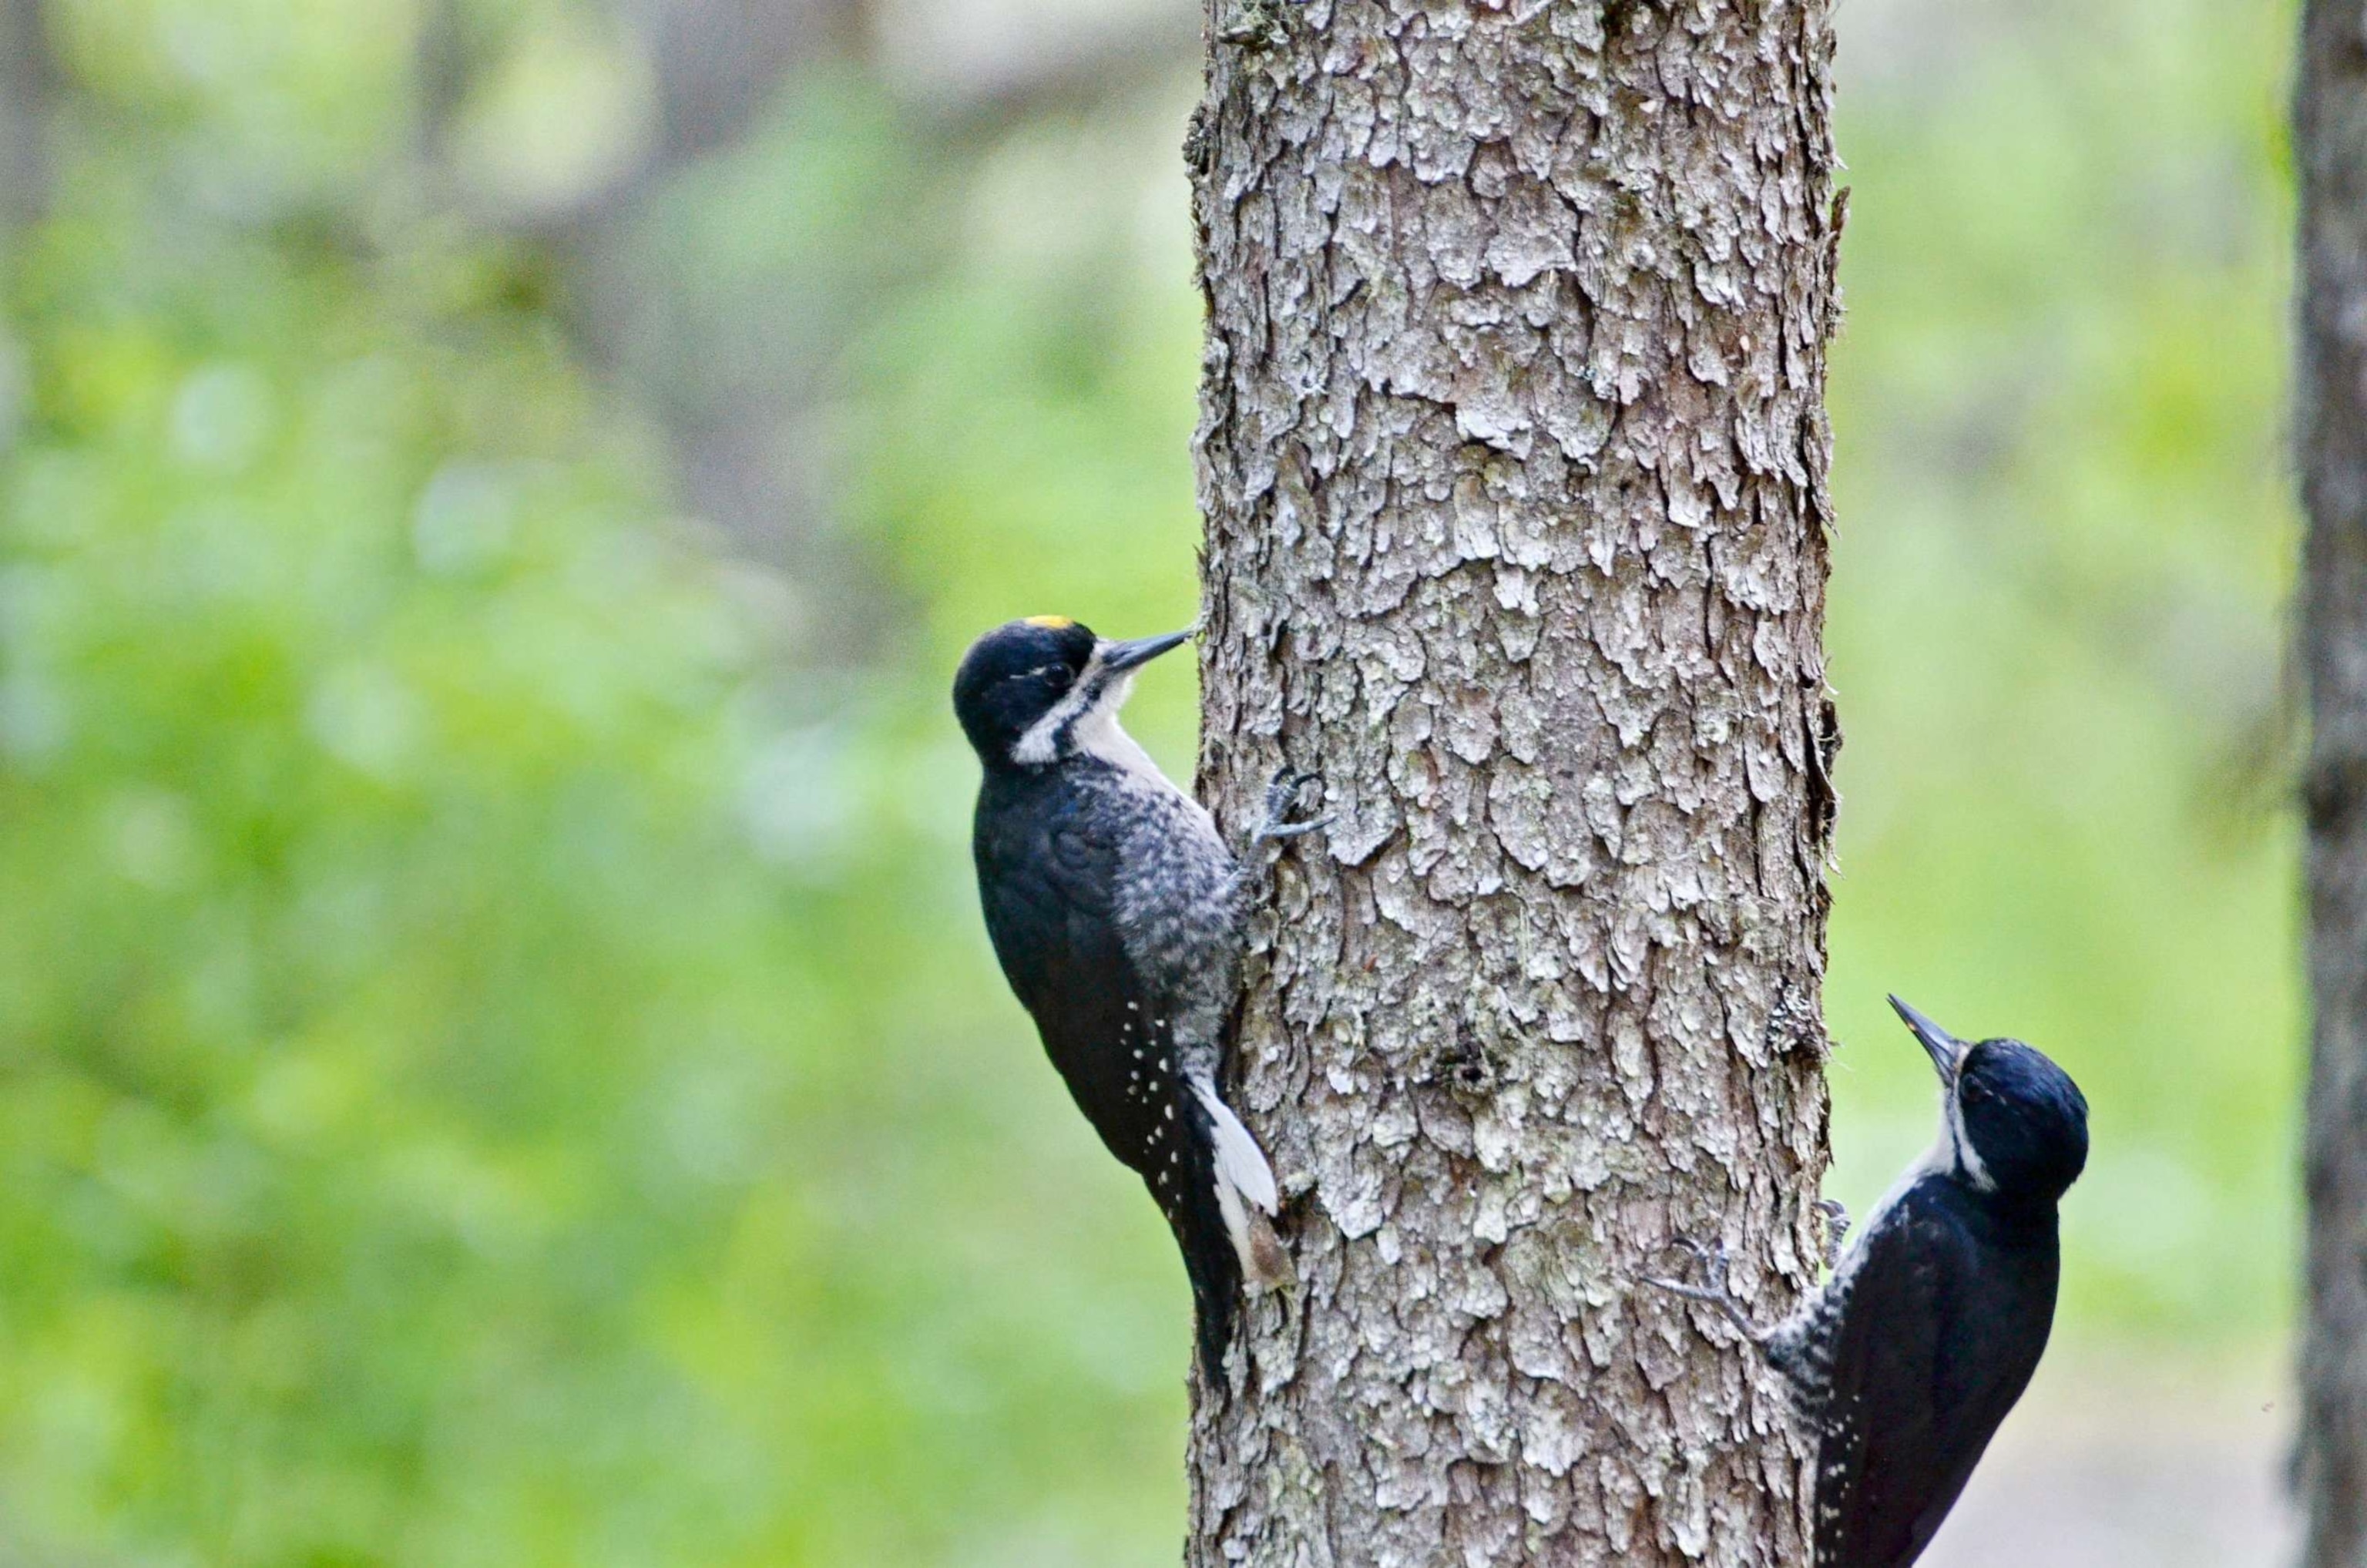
1903,1365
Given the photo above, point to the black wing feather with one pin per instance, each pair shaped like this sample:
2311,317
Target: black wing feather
1047,880
1945,1319
1048,872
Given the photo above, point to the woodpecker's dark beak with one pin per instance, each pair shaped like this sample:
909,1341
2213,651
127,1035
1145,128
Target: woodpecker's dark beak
1117,657
1947,1053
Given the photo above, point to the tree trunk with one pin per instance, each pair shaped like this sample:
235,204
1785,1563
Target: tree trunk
25,90
2330,147
1513,460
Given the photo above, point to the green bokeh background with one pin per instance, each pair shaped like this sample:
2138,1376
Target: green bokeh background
498,1061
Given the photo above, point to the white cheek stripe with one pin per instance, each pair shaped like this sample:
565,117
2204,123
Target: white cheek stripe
1950,1154
1090,729
1041,743
1968,1159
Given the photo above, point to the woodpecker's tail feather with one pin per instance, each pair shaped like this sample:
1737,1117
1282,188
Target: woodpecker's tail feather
1223,1223
1215,1264
1246,1194
1216,1271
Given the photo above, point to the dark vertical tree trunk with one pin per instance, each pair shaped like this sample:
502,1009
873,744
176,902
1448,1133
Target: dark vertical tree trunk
2330,147
1514,461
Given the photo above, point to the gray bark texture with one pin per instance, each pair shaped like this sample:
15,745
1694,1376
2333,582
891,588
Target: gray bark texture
2330,150
1513,459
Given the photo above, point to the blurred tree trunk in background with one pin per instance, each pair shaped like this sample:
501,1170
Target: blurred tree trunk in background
2330,147
1513,460
25,88
744,459
737,337
23,93
737,424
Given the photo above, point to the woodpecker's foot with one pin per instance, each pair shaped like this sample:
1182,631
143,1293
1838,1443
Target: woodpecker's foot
1281,798
1837,1227
1713,1290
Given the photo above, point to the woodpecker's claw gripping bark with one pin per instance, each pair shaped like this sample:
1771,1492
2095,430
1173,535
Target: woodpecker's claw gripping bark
1714,1291
1281,796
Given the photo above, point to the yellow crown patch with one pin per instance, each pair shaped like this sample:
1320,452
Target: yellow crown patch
1051,622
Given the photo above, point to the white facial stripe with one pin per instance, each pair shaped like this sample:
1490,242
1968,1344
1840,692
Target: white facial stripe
1950,1155
1087,718
1967,1158
1041,743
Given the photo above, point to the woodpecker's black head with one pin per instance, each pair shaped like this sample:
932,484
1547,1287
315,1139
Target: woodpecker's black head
1028,693
2016,1124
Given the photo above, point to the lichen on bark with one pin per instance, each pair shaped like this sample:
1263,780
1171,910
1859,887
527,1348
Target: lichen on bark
1513,458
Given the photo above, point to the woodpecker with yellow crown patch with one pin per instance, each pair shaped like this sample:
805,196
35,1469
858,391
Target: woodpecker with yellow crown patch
1116,908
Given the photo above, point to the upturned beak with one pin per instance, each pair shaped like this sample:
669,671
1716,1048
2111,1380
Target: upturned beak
1140,651
1947,1053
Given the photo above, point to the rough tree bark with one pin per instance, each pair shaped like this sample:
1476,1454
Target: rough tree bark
1513,460
2330,148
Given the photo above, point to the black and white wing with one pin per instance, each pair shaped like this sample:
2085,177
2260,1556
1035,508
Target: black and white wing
1049,878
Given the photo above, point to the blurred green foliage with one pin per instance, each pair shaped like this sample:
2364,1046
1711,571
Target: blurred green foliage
497,1060
2056,625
